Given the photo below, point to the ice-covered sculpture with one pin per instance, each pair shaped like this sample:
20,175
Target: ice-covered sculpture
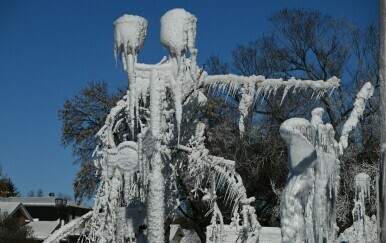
308,205
155,132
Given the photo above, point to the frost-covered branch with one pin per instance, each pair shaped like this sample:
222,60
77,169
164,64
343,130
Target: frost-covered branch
359,106
67,229
252,87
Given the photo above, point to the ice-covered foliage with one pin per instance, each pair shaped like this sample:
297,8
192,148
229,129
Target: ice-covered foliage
308,205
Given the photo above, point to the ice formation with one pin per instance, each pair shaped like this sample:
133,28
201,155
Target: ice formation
359,106
147,129
155,132
364,229
129,36
251,88
307,213
308,205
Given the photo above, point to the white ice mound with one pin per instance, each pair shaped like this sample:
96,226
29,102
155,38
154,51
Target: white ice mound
129,34
296,132
178,31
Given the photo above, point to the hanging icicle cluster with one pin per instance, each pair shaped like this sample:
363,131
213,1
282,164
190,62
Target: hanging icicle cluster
253,87
364,228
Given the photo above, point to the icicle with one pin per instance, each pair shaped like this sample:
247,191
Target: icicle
155,104
177,96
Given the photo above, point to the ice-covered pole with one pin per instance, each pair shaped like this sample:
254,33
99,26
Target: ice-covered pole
382,78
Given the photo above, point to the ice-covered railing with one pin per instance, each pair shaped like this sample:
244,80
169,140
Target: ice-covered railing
252,87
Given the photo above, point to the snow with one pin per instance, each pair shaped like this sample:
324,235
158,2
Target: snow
42,229
9,207
232,235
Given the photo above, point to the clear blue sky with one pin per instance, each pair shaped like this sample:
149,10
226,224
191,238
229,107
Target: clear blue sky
51,49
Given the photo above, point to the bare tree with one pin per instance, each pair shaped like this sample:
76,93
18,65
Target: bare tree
82,117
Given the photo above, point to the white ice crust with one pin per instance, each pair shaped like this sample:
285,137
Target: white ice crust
129,35
178,31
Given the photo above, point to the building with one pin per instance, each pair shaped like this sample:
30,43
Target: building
43,215
15,211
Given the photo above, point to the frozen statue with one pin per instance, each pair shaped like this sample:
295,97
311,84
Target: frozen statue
308,206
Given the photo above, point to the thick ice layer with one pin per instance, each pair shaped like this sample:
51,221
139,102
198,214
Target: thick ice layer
359,106
178,31
129,35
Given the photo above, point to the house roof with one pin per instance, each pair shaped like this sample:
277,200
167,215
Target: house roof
42,229
40,201
11,207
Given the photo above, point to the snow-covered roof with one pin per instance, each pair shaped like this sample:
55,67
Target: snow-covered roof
40,201
11,207
42,229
